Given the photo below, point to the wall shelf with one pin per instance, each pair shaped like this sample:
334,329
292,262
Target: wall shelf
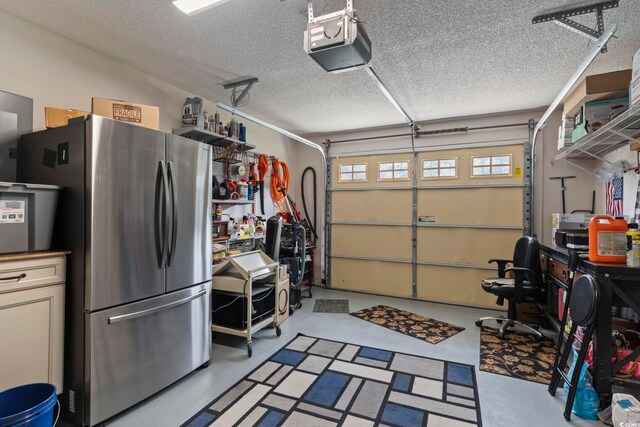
234,202
211,138
615,134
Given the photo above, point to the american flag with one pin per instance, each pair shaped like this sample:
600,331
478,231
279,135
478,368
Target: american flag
614,197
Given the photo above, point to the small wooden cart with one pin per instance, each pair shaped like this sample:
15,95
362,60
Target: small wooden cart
238,275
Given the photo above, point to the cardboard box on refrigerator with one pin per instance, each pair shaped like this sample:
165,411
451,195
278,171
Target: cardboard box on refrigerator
56,117
137,114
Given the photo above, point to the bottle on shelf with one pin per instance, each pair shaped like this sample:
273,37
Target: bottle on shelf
243,133
216,120
218,216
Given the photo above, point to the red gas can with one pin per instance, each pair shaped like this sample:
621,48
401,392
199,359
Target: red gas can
608,240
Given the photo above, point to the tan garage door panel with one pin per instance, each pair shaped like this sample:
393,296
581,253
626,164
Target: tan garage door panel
371,241
372,206
384,278
372,170
488,206
465,245
464,165
454,285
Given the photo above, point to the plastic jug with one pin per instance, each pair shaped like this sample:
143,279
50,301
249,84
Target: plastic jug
608,240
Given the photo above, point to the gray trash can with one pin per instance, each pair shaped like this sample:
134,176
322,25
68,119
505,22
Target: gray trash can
27,215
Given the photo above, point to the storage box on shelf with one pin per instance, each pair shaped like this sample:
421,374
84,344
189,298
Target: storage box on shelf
597,87
615,134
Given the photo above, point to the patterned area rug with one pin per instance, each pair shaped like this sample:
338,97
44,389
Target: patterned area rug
317,382
405,322
519,356
331,306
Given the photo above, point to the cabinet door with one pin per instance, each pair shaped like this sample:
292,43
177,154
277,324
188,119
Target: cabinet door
32,337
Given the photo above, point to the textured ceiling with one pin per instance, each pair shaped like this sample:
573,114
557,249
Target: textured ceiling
440,58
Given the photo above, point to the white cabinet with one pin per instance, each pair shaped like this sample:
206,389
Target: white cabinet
31,319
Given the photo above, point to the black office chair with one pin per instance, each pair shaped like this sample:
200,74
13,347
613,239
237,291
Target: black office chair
526,287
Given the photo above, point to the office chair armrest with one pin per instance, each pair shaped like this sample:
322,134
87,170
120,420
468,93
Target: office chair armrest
502,263
519,270
521,274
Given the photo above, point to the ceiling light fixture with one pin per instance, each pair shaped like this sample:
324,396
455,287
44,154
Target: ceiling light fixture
191,7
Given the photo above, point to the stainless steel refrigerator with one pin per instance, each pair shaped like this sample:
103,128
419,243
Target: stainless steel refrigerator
136,216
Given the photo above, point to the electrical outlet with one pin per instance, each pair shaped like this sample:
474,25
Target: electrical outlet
13,153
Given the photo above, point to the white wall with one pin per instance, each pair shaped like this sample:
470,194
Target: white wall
58,72
630,181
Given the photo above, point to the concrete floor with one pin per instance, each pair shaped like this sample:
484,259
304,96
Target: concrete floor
504,401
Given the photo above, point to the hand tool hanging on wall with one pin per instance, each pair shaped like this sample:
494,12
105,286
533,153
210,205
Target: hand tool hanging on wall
253,183
280,184
263,168
312,224
564,187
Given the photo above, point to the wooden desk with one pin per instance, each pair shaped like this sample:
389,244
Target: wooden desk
619,286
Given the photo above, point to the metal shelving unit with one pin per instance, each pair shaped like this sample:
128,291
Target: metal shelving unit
234,202
212,138
608,138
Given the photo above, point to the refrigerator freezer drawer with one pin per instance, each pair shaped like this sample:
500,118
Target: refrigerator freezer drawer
139,349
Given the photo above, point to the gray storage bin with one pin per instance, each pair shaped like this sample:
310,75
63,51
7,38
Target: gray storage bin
27,215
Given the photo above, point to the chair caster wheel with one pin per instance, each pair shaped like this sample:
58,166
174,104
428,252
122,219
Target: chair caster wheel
478,323
500,321
278,331
501,335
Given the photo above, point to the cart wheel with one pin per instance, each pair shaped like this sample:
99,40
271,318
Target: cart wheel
249,349
310,294
278,331
499,321
478,323
290,311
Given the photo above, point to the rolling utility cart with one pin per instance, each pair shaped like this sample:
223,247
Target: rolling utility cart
244,295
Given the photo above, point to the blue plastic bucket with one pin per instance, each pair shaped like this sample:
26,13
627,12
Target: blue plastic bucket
29,405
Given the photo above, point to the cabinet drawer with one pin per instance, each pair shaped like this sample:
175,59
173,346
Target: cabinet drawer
558,269
20,275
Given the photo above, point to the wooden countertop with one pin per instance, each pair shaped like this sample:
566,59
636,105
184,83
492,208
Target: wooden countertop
32,255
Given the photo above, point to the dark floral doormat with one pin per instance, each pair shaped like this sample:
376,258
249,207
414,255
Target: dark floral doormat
405,322
519,356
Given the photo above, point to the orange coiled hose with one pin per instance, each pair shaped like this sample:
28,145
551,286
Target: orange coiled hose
279,182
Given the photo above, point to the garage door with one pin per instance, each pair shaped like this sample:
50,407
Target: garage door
371,224
468,208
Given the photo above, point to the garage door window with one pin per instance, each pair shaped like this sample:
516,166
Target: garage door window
440,168
393,171
353,173
491,166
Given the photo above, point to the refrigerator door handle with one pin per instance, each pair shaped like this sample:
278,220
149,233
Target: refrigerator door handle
129,316
161,213
174,214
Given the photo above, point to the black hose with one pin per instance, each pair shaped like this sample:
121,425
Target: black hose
312,226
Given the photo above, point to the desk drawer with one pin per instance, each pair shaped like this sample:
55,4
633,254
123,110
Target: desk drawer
559,270
20,275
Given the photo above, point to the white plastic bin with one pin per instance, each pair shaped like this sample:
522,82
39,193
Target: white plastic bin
27,215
